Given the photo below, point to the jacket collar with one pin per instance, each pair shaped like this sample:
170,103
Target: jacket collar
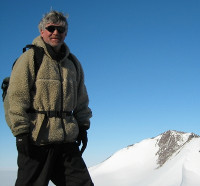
58,56
49,50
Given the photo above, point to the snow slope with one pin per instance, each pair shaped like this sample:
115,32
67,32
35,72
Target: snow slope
170,159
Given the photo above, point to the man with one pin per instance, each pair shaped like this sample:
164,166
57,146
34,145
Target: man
49,113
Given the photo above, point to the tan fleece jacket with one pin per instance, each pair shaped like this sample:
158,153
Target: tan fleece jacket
56,82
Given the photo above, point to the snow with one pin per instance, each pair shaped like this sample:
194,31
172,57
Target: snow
7,178
137,165
122,165
191,166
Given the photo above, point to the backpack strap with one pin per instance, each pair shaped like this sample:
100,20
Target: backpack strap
38,56
4,86
72,58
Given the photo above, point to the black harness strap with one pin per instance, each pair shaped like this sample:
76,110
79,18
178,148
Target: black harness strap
51,114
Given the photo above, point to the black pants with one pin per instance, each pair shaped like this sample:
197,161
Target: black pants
61,163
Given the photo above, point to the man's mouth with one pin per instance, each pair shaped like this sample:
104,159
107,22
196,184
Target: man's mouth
55,38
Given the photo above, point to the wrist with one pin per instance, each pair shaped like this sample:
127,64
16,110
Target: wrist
22,135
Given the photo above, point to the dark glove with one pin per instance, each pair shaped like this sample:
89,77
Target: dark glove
22,143
82,137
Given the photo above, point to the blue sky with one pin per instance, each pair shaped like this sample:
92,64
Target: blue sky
141,60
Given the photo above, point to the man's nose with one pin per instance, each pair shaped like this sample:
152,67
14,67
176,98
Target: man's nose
55,32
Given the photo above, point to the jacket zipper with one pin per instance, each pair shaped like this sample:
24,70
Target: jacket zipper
61,109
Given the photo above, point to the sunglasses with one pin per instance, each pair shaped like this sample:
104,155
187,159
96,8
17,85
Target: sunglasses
52,28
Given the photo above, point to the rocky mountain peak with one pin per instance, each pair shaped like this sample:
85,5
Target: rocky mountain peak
170,143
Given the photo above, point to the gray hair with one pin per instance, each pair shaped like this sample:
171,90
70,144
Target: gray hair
54,17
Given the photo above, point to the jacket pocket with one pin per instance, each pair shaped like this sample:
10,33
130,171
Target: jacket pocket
71,129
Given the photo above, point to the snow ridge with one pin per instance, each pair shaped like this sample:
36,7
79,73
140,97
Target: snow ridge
170,143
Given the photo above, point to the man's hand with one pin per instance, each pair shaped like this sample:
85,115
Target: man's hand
82,138
22,143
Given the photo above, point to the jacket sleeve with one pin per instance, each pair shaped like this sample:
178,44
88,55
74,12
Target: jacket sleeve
21,81
82,111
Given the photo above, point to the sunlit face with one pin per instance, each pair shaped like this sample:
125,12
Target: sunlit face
52,36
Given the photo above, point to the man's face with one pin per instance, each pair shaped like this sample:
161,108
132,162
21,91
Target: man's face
54,35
